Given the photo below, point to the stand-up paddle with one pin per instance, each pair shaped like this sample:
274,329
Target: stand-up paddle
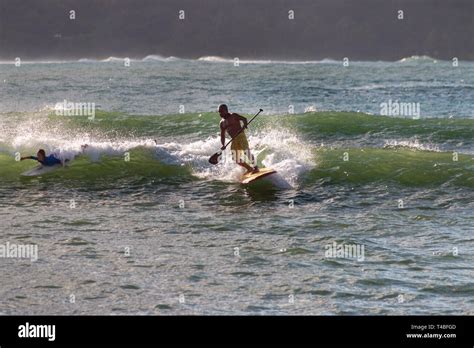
214,159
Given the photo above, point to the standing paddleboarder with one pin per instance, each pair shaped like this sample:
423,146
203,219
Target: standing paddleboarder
240,147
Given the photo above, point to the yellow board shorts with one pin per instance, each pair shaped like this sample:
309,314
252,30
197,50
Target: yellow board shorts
240,147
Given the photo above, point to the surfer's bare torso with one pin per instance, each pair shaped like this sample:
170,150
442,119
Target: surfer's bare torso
231,124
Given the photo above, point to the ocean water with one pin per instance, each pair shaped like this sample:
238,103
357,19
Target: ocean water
140,223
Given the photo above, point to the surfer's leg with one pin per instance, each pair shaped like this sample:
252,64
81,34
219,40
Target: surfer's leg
246,166
240,160
252,161
246,155
240,148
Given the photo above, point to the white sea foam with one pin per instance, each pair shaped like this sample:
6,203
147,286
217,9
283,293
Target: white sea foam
276,148
217,59
418,59
279,149
411,144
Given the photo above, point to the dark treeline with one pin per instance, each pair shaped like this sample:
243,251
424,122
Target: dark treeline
358,29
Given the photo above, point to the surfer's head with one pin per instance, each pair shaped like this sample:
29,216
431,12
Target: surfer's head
41,155
223,111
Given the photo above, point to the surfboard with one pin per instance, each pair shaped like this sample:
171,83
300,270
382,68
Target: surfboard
40,170
250,177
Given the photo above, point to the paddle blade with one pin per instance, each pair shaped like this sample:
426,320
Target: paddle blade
214,159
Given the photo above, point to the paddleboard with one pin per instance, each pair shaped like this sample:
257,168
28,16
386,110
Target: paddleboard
250,177
40,170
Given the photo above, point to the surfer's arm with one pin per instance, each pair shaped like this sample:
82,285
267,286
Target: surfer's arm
243,119
222,135
29,157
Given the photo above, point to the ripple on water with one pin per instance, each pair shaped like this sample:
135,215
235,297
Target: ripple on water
130,287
